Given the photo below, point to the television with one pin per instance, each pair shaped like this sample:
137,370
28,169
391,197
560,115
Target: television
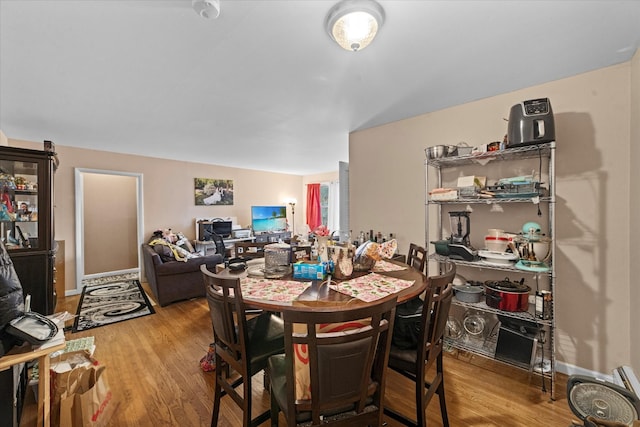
268,219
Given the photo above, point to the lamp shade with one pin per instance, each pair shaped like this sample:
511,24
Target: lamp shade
354,23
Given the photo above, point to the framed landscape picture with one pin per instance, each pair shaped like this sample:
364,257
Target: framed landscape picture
213,191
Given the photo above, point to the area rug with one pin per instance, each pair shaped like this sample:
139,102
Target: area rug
110,303
110,278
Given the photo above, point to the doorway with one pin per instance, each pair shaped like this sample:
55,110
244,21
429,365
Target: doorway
109,223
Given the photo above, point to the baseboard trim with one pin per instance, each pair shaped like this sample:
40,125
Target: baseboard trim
568,370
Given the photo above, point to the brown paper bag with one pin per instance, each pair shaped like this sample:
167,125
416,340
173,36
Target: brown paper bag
63,382
89,402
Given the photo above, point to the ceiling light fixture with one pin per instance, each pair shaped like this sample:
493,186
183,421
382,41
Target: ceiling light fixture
209,9
354,23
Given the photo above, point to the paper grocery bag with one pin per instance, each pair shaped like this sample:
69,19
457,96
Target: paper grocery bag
96,404
66,371
91,404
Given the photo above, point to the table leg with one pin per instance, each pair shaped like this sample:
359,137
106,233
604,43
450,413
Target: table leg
44,384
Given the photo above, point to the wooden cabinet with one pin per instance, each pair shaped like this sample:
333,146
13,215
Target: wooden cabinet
523,338
26,220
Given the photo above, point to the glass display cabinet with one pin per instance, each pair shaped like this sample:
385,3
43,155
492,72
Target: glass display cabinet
26,220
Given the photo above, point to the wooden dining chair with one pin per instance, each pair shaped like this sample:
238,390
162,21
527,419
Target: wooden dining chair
346,367
414,363
417,257
242,345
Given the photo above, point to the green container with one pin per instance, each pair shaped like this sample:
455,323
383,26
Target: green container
442,247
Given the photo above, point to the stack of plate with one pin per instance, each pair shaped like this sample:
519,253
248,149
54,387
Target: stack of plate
499,259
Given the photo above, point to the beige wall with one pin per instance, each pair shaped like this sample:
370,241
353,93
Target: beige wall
168,188
592,114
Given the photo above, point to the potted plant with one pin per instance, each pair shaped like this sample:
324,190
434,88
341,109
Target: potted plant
20,182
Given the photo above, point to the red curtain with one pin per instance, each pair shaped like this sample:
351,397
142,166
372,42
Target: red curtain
314,214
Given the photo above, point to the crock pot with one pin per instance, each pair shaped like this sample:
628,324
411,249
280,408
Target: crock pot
507,295
468,293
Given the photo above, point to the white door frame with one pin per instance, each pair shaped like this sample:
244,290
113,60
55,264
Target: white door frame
79,188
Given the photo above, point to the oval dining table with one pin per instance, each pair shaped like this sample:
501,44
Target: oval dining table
318,296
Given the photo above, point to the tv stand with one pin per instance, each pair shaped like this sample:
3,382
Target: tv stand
272,237
203,246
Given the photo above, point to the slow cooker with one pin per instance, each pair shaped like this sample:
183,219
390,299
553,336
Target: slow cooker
507,295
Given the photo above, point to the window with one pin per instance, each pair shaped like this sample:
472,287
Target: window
324,202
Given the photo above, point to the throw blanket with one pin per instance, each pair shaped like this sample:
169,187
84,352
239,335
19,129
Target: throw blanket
179,253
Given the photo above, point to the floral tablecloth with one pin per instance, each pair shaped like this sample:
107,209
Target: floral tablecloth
371,287
383,265
272,290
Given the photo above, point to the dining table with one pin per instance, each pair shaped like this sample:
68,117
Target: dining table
387,279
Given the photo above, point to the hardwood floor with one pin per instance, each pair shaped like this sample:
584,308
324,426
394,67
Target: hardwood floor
153,369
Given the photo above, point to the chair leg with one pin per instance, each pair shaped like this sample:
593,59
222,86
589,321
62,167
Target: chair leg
246,402
440,391
443,405
217,395
421,403
266,382
275,412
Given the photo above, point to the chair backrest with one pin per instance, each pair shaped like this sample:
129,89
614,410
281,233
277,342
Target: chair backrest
220,247
346,367
230,335
417,257
435,311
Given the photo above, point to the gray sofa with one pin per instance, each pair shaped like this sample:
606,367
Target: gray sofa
172,280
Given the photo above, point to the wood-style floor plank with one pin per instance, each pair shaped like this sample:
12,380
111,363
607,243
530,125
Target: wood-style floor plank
153,368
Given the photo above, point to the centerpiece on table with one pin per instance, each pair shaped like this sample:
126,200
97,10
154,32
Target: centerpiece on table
322,240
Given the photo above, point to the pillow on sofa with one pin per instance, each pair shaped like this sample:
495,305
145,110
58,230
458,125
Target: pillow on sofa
165,252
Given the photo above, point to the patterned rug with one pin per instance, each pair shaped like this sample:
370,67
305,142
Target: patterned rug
110,303
102,280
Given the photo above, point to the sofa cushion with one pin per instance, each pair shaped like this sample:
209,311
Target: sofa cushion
178,267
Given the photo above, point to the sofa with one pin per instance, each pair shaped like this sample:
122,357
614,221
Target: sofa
172,280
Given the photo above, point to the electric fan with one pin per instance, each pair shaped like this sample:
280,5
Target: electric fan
602,400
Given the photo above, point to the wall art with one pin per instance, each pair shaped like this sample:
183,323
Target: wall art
213,191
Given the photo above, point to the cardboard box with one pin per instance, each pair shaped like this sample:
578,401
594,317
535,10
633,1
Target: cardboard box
309,270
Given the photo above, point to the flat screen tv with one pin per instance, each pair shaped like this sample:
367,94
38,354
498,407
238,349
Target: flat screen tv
268,219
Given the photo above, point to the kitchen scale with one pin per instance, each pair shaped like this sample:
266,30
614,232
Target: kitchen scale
459,245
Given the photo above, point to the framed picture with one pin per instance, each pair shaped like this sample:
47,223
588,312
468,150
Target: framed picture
213,191
23,206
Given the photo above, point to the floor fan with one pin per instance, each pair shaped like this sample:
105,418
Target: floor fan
601,403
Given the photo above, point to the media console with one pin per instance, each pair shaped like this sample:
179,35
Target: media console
272,237
203,246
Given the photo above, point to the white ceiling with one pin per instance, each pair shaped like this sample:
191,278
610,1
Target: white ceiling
263,86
